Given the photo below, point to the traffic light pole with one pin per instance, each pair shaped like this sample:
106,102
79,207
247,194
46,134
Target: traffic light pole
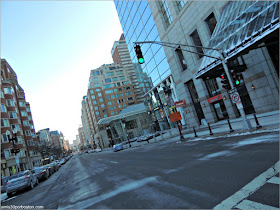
246,122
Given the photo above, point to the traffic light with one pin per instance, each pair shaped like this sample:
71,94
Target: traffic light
236,77
139,54
225,82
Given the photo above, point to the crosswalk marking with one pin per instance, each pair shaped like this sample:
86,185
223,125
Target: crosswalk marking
248,189
247,204
274,180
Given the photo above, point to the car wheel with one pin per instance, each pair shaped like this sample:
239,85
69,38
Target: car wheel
9,195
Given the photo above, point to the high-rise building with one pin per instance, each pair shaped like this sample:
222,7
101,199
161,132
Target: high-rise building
109,91
140,81
138,25
16,118
246,32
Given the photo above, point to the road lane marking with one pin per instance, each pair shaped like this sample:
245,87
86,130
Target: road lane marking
113,162
274,180
125,188
247,204
248,189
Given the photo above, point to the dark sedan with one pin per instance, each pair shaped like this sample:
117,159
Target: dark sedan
41,173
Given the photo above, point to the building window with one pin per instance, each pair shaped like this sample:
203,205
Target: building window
112,113
180,5
5,123
112,96
22,104
94,102
97,113
25,123
13,115
181,58
96,108
4,138
99,94
130,98
115,79
167,18
23,113
95,79
101,99
3,108
10,102
2,94
102,106
108,80
197,42
96,85
108,97
91,91
109,74
119,72
108,91
8,90
107,86
211,23
93,97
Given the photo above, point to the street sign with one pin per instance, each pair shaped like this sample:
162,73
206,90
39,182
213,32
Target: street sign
239,105
235,97
176,116
180,103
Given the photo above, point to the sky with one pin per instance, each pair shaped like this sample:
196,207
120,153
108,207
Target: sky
52,46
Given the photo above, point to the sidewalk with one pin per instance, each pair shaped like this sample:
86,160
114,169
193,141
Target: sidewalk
269,122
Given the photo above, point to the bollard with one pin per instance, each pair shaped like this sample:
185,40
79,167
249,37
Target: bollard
210,129
257,122
230,128
195,135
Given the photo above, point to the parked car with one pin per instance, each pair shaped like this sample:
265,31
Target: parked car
62,161
4,180
41,173
118,147
51,168
54,166
98,150
22,181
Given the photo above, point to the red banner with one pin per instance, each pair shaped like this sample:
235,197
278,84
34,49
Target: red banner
180,103
215,98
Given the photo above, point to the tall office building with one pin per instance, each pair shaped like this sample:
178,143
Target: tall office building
140,81
138,25
247,32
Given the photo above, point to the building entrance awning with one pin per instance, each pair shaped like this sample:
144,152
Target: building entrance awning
242,25
127,112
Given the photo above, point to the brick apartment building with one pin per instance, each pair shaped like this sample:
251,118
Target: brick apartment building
16,117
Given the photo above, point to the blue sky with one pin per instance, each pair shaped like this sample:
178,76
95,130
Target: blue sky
52,46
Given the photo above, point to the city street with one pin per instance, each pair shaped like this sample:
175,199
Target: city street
173,175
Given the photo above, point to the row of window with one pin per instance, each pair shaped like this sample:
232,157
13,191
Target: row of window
211,23
111,85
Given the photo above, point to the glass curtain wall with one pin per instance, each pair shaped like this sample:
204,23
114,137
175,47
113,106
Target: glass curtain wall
138,25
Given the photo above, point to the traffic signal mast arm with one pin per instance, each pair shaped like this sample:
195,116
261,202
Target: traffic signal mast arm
168,44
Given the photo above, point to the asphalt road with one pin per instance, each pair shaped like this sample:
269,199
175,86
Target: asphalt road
186,175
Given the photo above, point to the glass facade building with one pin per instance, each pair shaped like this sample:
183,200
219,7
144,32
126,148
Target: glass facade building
138,25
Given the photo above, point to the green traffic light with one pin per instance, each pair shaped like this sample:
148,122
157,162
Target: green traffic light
237,82
141,60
